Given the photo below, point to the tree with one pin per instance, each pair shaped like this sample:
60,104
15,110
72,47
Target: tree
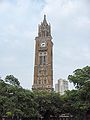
80,76
81,80
12,80
49,104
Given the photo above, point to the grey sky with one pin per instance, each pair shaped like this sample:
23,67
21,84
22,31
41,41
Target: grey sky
19,19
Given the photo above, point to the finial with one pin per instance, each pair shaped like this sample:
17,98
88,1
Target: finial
44,21
44,17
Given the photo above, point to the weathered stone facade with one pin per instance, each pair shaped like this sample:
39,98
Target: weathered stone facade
43,68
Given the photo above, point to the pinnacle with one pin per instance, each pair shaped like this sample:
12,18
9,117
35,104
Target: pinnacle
44,17
44,21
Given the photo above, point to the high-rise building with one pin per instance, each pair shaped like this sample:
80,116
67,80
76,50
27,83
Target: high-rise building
61,86
43,67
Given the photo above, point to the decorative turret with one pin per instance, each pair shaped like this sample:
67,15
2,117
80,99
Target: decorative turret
44,29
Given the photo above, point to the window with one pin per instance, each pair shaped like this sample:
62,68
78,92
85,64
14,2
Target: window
44,59
35,82
39,81
45,81
41,58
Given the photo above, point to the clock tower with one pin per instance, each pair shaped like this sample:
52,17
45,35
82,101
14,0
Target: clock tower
43,67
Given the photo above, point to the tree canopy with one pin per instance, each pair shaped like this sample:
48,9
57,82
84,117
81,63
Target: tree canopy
80,77
26,104
81,80
12,80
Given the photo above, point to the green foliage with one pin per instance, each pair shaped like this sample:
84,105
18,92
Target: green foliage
49,104
12,80
16,99
81,80
80,76
9,114
26,104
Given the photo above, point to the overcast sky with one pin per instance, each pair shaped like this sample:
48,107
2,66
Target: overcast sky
19,19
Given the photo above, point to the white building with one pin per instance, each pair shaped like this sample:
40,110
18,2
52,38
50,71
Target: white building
61,86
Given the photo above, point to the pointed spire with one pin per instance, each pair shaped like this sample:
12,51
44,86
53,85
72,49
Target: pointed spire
45,21
44,29
44,17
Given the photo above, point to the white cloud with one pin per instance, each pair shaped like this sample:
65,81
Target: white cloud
83,22
4,6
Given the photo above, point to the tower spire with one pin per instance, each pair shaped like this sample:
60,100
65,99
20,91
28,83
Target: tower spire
44,29
44,20
44,17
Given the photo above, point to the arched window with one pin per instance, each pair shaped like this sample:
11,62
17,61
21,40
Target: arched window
42,57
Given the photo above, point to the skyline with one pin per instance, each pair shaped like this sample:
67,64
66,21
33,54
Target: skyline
70,25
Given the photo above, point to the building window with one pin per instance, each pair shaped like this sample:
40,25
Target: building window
45,81
39,81
35,82
42,59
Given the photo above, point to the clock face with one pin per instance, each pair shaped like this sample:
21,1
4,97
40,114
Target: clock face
43,44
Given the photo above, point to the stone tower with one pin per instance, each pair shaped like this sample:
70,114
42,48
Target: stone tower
43,68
